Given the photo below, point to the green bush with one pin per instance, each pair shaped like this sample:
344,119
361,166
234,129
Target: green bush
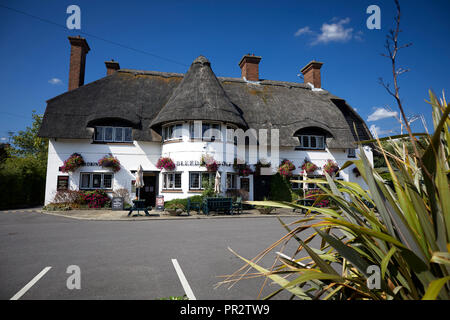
182,203
280,189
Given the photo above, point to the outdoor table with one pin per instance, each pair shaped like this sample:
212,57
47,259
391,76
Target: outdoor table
138,205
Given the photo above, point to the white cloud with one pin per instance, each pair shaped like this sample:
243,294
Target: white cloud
55,81
381,113
377,131
334,32
304,30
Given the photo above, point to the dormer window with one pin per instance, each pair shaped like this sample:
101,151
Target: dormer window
312,138
311,142
113,134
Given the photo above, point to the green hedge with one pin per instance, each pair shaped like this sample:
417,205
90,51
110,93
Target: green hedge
280,189
22,183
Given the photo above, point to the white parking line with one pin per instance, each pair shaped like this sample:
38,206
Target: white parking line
184,283
30,284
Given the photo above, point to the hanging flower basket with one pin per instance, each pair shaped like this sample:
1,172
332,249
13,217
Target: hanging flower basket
331,167
260,165
243,169
286,167
110,162
73,163
209,162
309,167
165,163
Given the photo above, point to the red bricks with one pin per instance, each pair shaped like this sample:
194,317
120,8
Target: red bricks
79,49
111,67
311,73
249,67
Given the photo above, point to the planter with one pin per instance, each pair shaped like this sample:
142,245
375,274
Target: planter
165,163
72,163
265,210
109,162
174,211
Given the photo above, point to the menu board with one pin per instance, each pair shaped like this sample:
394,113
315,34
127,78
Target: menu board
160,203
117,203
62,183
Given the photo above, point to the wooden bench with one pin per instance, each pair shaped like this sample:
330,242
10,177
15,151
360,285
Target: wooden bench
224,205
194,205
139,205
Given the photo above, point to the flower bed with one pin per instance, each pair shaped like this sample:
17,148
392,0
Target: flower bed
314,194
165,163
110,162
73,163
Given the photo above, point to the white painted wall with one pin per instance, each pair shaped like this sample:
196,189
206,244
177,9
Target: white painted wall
148,153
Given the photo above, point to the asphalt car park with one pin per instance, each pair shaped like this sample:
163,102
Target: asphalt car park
130,259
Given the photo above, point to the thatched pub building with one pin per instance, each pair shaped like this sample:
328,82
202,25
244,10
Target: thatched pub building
146,117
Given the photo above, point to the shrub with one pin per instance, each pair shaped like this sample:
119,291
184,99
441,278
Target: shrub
280,189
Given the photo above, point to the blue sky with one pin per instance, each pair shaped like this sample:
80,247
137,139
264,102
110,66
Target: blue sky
34,55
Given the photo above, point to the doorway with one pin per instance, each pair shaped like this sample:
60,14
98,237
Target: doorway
149,190
261,187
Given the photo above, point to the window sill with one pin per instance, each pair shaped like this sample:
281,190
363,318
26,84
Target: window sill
128,143
172,191
195,191
172,141
308,149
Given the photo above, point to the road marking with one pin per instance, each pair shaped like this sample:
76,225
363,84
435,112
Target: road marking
30,284
184,283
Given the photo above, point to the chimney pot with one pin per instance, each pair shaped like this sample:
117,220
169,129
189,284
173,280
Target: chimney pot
311,73
78,50
111,67
249,65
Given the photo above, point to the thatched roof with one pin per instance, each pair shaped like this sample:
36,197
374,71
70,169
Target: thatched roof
147,99
199,96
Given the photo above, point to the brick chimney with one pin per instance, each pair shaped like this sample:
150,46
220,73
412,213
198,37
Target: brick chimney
78,50
311,73
111,67
249,67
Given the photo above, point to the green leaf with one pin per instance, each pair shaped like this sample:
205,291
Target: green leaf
434,288
385,261
280,280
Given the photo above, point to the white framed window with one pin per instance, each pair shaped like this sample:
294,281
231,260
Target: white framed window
231,181
197,180
96,180
172,180
296,185
209,131
351,153
311,142
172,132
113,134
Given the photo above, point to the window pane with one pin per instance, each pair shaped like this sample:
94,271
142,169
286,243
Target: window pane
108,134
320,142
305,142
230,134
313,142
85,178
177,180
99,134
96,180
205,127
178,132
194,180
107,181
164,178
118,134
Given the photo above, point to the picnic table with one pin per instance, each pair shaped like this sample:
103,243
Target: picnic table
139,205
